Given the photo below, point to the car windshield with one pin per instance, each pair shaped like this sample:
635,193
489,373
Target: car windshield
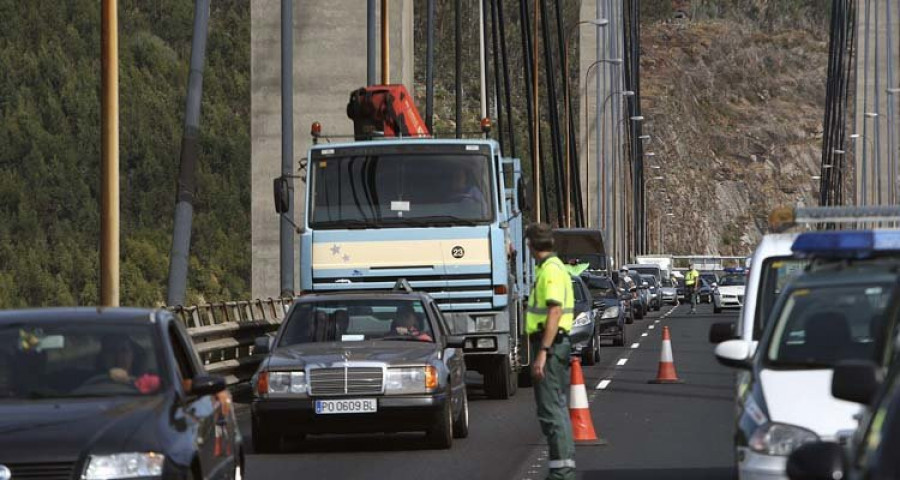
601,287
709,277
817,328
354,320
774,276
733,280
67,360
401,191
650,279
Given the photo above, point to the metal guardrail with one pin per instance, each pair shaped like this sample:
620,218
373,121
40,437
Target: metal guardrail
224,333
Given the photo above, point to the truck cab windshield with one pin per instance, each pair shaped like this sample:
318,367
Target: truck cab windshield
384,191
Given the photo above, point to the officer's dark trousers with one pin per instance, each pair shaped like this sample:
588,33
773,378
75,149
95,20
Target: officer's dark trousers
552,398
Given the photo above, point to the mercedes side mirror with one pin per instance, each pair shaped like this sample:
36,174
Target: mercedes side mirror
735,354
856,381
261,345
282,195
456,341
721,332
817,461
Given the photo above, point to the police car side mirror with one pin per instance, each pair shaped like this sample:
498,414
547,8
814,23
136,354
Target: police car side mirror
735,354
856,381
815,461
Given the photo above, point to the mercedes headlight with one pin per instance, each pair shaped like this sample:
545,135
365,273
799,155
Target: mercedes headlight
611,312
582,319
409,380
780,439
124,465
282,383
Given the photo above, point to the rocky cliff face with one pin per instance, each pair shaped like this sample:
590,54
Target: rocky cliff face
735,105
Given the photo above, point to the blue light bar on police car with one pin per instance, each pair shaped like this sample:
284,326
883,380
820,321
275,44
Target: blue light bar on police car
847,243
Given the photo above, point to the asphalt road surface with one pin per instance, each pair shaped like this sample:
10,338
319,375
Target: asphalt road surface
660,432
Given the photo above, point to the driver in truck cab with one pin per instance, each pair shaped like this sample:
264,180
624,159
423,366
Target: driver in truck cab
464,190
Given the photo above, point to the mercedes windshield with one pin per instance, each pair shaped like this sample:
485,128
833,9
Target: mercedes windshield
417,189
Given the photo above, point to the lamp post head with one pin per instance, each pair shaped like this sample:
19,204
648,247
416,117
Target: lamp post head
637,118
816,177
649,154
855,136
838,151
659,178
628,93
600,22
871,115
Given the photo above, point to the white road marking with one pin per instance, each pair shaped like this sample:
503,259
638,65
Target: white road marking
603,384
635,345
644,334
622,361
651,327
656,321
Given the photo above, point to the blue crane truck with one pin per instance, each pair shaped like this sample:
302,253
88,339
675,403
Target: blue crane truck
444,214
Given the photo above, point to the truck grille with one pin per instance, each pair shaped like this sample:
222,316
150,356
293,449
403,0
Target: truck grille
346,381
42,471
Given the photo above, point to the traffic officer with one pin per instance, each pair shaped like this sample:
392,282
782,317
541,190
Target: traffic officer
548,321
692,286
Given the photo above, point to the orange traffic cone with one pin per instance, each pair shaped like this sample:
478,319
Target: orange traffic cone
666,372
579,413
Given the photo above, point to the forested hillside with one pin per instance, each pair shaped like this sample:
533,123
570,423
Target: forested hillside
50,150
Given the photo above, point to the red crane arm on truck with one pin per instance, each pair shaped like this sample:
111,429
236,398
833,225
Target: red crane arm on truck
385,108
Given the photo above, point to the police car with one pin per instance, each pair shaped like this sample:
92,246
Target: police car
828,314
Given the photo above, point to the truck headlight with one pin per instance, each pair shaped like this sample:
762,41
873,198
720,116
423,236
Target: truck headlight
582,319
124,465
611,312
282,383
780,439
407,380
484,323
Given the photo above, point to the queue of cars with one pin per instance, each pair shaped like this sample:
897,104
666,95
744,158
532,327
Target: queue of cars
817,333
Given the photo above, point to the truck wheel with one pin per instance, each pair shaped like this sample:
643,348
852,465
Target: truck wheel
524,377
461,424
497,380
440,436
263,441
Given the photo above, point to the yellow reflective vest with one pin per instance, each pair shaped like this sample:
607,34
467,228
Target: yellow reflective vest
691,277
552,283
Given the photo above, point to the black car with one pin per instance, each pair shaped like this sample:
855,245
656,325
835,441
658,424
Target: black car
611,315
98,393
585,334
361,363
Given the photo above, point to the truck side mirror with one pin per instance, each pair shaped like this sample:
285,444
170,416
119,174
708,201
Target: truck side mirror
522,196
282,195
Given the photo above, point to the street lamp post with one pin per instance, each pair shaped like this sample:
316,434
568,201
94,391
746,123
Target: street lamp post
864,185
587,142
597,22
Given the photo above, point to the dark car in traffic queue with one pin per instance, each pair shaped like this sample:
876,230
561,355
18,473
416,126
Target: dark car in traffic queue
585,334
643,294
611,315
108,393
361,363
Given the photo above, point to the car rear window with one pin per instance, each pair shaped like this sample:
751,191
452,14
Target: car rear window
818,327
357,320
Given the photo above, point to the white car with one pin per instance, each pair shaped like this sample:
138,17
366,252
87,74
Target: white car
824,316
729,292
